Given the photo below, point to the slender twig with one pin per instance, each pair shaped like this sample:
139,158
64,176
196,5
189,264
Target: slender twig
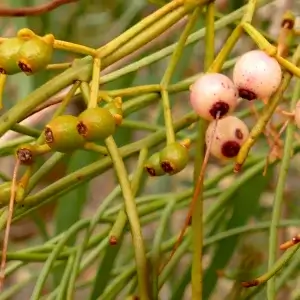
8,223
33,11
133,218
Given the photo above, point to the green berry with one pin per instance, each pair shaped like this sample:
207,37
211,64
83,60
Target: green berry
152,165
61,134
174,158
35,54
96,123
9,50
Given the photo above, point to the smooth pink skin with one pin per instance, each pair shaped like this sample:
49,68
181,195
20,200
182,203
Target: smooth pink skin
297,114
225,131
257,72
209,89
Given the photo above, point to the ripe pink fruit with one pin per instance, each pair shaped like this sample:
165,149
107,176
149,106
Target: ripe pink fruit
256,75
213,94
230,134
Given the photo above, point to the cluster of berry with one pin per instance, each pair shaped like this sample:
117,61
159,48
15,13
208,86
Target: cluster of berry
27,52
214,97
67,133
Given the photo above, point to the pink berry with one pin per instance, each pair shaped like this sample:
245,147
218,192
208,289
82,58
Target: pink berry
256,75
297,114
213,94
230,134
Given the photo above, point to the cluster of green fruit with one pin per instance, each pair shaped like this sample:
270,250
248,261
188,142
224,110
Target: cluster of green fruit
27,52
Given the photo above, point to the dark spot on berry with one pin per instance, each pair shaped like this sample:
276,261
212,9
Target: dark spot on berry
239,134
2,71
150,171
49,135
167,167
113,240
25,156
246,94
230,149
220,108
82,129
24,67
288,23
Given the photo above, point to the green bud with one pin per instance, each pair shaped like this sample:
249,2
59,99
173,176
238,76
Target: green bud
61,134
174,158
35,54
9,50
96,123
152,165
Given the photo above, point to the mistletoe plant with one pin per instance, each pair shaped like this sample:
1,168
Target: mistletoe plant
259,81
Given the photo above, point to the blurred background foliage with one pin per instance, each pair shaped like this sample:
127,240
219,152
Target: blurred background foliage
93,23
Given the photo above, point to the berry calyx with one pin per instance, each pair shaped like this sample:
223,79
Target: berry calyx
61,134
9,50
256,75
96,123
152,165
230,134
174,158
213,94
27,153
35,54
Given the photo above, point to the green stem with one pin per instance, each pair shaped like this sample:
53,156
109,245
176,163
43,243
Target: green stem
197,213
26,130
41,94
65,279
169,72
52,257
136,29
147,35
133,218
85,92
193,38
156,252
95,83
279,194
276,267
95,220
133,91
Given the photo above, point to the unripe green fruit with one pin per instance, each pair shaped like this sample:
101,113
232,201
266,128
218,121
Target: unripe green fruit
61,134
9,55
35,54
152,165
96,123
174,158
5,193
